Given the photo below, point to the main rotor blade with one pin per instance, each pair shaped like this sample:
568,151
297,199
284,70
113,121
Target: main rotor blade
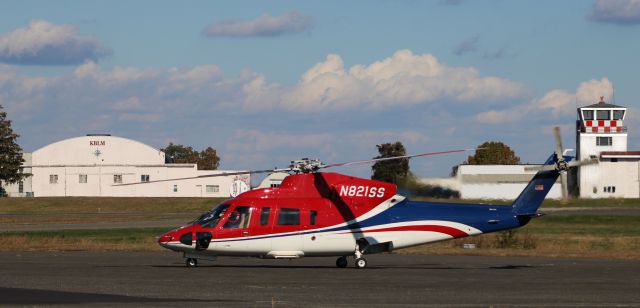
556,132
205,176
393,158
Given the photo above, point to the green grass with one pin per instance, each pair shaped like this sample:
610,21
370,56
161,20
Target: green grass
128,233
64,205
601,225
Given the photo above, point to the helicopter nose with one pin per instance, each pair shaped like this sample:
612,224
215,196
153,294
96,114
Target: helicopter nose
165,238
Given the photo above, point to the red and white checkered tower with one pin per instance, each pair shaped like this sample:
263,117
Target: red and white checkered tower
600,128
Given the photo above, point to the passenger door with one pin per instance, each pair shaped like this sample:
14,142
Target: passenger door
234,230
287,227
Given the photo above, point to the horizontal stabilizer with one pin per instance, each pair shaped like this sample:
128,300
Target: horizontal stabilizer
532,215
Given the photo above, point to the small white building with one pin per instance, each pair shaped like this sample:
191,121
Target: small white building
600,134
93,165
495,182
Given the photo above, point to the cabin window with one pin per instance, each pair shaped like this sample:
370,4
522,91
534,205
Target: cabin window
603,115
175,187
289,217
53,178
117,178
238,218
312,217
82,178
587,114
604,141
618,114
213,188
210,219
264,215
144,178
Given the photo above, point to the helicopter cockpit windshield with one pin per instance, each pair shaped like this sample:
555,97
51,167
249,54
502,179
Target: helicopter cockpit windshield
211,218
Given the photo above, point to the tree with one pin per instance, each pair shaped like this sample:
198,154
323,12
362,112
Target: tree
10,152
493,153
391,171
207,159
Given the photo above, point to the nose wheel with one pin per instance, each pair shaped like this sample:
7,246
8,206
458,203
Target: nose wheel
361,262
191,262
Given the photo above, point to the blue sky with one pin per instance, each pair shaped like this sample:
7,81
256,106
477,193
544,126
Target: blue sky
266,82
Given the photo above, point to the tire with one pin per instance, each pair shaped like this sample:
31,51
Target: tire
191,262
361,263
342,262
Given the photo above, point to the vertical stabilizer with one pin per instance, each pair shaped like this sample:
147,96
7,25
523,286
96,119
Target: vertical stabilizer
532,196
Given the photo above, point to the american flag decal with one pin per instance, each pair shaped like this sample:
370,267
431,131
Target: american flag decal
539,187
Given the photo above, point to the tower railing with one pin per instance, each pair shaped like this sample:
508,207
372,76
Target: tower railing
603,130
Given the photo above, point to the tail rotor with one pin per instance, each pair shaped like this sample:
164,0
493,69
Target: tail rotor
561,165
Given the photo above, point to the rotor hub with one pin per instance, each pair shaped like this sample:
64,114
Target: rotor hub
305,165
562,165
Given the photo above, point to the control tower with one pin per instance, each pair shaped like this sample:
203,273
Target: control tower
601,134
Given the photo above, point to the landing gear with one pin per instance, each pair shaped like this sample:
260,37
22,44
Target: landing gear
342,262
191,262
361,262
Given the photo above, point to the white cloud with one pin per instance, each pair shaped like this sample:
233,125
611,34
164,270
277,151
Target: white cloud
402,79
557,103
255,123
44,43
622,12
264,25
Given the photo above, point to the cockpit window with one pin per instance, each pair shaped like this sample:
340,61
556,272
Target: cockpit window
210,219
238,218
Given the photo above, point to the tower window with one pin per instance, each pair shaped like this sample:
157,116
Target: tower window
604,141
618,114
587,114
603,115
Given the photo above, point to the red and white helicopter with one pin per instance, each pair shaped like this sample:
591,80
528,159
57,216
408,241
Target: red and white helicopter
314,214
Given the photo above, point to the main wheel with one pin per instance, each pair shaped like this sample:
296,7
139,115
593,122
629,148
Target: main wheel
361,263
191,262
342,262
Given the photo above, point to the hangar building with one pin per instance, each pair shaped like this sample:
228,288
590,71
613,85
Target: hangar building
91,165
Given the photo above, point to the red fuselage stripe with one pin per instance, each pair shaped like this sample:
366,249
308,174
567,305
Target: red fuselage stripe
456,233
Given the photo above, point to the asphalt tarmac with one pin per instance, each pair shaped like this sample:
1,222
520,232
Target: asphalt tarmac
391,280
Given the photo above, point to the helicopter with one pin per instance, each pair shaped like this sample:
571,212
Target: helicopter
324,214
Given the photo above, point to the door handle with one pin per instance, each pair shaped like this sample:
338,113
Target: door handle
245,233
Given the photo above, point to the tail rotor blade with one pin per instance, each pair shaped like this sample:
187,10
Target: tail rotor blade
585,162
565,187
556,132
540,168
